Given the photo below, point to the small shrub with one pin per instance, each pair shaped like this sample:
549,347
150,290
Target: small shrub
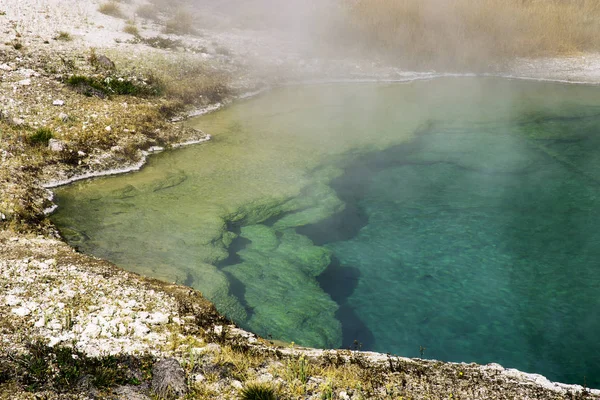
63,36
111,8
257,391
131,29
40,137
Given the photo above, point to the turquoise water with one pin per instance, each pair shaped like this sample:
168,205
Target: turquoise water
471,262
457,215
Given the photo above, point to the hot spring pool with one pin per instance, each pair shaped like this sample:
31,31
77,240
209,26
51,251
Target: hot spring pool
460,215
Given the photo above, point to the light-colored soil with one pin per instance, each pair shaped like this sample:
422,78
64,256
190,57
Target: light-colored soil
52,295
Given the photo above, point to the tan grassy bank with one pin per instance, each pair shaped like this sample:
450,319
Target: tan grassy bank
460,33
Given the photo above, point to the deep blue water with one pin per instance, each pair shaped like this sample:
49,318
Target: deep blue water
471,257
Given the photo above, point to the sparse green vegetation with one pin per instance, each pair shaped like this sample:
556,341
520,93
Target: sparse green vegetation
61,368
112,85
111,8
258,391
40,137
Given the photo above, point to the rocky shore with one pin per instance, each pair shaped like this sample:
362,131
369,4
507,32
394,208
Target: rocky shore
82,95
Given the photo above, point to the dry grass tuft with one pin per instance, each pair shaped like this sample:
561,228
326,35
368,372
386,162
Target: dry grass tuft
476,32
131,28
111,8
63,36
191,81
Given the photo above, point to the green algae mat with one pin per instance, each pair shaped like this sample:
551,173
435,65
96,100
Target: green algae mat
454,219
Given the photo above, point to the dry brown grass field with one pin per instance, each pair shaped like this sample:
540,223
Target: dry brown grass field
455,33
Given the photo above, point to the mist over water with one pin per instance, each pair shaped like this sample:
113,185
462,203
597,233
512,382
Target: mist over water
459,215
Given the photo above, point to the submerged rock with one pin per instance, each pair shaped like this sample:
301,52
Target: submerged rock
279,270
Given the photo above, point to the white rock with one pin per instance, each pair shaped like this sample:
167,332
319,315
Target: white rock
158,318
92,330
131,303
40,323
81,153
139,329
344,395
199,378
56,145
108,129
28,73
56,326
25,82
11,300
265,378
58,103
21,311
5,67
213,347
237,384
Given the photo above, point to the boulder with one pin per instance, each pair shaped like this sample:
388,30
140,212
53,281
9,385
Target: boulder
168,379
101,61
129,392
56,145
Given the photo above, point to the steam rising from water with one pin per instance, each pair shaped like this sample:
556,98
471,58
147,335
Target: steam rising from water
487,174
